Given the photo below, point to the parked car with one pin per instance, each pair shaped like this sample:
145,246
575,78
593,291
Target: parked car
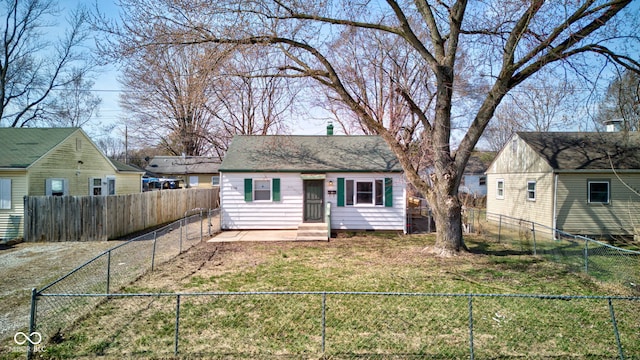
153,184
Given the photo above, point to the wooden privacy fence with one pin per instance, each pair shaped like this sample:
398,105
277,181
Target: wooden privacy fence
99,218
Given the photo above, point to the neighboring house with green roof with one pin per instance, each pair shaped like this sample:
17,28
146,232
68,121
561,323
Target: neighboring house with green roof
286,182
578,182
54,162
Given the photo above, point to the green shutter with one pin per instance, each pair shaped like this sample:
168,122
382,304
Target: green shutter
340,191
388,192
275,185
248,190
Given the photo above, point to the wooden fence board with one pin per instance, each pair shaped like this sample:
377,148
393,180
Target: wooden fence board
99,218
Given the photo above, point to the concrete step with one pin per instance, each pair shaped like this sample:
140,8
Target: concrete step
312,232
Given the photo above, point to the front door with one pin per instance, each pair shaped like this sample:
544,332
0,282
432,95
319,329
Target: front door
313,200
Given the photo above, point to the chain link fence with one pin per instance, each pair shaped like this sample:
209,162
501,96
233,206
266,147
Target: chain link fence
116,268
603,261
355,325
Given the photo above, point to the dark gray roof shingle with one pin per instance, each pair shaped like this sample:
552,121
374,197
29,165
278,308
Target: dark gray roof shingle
183,165
301,153
586,150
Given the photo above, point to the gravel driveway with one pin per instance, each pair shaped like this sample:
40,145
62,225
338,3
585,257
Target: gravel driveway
33,265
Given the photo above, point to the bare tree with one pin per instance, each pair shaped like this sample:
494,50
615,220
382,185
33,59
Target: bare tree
541,104
74,106
31,66
622,102
246,101
167,97
505,42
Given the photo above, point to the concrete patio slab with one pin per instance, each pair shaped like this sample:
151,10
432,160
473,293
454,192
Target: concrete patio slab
256,235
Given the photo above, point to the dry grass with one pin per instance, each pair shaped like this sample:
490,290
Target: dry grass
369,326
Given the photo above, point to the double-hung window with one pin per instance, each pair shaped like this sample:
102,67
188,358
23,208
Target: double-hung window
531,190
264,189
500,189
374,192
95,186
599,191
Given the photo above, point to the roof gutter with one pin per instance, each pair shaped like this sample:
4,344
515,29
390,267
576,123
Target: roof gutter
555,205
591,171
19,169
308,171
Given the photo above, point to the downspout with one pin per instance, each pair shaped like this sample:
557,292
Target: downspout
220,201
555,204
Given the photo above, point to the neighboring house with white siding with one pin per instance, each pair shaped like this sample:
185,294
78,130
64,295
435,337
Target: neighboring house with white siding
577,182
54,162
286,182
474,179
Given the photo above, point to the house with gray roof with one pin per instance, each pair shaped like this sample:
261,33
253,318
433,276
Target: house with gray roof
191,171
311,183
578,182
474,180
54,162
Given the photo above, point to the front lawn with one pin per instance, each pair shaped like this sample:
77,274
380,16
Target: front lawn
354,325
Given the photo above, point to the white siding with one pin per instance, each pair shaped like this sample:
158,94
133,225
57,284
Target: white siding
239,214
288,212
370,217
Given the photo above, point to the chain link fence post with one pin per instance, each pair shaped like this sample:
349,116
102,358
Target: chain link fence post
324,320
108,270
32,321
533,232
153,251
615,329
180,245
471,327
177,329
586,256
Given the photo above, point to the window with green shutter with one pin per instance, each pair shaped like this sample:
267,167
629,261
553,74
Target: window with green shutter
275,185
262,189
388,192
340,191
248,190
375,192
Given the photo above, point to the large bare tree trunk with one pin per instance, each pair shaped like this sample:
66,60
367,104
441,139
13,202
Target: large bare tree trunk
447,213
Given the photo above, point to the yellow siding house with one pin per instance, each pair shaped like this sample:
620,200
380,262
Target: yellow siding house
54,162
584,183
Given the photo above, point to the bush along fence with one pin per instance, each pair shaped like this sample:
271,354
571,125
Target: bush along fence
101,218
115,268
603,261
341,325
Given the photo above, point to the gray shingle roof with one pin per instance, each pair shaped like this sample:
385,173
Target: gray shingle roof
21,147
186,165
479,161
586,150
122,167
297,153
